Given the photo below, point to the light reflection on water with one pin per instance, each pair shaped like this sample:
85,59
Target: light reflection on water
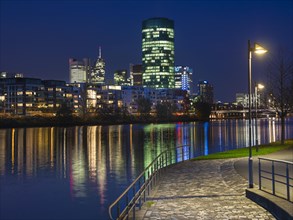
76,172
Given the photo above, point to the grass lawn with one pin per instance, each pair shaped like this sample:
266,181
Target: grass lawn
243,152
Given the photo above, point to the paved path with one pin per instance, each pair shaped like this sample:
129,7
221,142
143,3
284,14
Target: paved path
209,190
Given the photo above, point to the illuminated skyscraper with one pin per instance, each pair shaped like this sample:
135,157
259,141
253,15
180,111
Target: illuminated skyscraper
158,53
183,78
98,74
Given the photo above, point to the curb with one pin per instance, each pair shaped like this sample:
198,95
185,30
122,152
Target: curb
278,207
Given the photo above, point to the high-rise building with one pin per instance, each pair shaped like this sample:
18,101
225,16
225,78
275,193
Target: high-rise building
136,74
120,77
158,53
98,74
183,78
78,70
206,91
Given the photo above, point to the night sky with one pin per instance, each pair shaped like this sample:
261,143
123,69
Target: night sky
38,37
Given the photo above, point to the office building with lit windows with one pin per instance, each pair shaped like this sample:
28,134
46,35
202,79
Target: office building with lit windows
158,53
183,78
78,70
20,96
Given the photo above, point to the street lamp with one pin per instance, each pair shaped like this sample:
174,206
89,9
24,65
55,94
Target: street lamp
258,50
257,87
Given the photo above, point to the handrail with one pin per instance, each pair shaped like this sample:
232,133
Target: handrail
271,159
126,203
271,175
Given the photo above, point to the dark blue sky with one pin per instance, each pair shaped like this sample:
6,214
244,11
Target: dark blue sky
38,37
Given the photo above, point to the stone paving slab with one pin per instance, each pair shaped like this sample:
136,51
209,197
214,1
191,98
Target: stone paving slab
210,189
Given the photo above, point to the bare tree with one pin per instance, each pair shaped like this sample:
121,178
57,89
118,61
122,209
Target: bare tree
280,87
144,106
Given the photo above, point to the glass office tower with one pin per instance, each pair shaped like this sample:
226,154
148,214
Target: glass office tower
98,75
158,53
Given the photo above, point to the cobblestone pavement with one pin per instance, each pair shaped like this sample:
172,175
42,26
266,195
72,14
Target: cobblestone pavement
210,189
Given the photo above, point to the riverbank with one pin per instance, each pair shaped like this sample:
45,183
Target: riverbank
38,121
242,152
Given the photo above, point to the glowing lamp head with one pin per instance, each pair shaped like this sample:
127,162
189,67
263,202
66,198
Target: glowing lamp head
259,49
260,86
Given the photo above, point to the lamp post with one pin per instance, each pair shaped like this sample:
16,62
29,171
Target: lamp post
258,50
257,87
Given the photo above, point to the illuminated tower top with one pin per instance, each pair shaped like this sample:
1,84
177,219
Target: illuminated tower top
98,75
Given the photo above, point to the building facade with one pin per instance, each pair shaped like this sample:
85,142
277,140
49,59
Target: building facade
79,70
158,53
183,78
136,75
21,96
206,91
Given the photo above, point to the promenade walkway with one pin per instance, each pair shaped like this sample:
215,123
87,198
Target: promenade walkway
209,189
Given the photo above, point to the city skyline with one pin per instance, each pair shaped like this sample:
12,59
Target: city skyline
38,37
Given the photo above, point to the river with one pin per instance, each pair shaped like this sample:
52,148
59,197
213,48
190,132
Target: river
77,172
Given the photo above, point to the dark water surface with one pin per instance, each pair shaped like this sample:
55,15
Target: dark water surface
77,172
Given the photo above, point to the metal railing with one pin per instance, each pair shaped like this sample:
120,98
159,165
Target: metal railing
278,175
135,195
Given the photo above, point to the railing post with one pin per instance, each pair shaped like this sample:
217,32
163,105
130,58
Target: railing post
127,202
144,191
154,176
166,159
156,172
118,210
273,177
287,182
139,194
259,174
133,210
148,180
161,166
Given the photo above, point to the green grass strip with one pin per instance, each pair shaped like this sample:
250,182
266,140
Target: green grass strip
243,152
